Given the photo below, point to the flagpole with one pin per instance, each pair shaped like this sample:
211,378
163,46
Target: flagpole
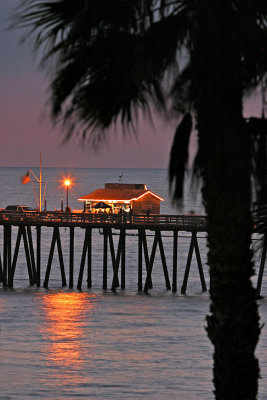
40,182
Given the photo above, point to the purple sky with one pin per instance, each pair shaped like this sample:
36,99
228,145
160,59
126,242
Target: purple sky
26,129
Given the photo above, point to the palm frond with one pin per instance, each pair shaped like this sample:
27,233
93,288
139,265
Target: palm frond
179,156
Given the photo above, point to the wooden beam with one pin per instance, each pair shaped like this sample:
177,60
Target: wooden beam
140,253
175,258
5,249
89,257
188,264
71,260
15,257
199,263
38,255
193,245
151,262
123,248
105,259
27,253
262,264
60,256
85,245
115,260
163,258
50,258
1,269
29,234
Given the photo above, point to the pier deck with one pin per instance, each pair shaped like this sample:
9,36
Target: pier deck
106,223
83,220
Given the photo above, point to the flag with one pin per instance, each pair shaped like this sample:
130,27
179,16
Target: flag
26,178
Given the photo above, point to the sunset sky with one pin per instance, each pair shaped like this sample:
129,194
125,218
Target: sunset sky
26,129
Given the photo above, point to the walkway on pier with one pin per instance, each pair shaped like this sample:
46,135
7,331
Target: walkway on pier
164,222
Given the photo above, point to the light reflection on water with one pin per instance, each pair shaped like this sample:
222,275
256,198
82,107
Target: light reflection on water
63,328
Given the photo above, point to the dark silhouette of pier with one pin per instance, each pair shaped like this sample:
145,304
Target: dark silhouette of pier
107,224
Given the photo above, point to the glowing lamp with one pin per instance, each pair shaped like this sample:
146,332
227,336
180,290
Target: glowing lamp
67,183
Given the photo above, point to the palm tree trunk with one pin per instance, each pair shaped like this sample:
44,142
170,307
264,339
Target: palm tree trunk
233,323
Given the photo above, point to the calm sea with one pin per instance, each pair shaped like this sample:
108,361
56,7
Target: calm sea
65,344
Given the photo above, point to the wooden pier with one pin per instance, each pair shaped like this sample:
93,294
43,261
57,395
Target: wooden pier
107,224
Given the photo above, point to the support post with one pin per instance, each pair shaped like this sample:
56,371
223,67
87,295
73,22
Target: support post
199,263
29,234
122,240
262,263
147,259
50,258
140,242
89,257
60,256
105,259
193,244
151,262
174,264
38,255
1,269
163,259
5,249
7,254
188,264
115,259
87,248
27,253
15,257
71,257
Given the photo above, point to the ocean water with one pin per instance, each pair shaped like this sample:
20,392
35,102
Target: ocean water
60,343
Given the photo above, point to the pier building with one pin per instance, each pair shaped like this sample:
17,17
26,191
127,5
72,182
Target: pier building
123,197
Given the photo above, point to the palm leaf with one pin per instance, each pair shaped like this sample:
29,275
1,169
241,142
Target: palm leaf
179,156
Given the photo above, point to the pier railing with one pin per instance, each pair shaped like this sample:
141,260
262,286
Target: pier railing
182,222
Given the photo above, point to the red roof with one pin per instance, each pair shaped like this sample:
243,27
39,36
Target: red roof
117,195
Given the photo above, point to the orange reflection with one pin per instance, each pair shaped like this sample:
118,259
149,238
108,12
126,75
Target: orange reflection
65,317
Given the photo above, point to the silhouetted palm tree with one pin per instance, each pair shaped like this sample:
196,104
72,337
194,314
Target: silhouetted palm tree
112,58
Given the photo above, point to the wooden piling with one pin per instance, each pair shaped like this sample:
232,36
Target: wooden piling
31,251
27,253
89,257
50,258
6,254
87,249
71,260
140,252
55,239
151,262
193,245
163,259
60,256
199,263
38,255
105,259
1,269
115,260
15,257
262,264
174,264
123,248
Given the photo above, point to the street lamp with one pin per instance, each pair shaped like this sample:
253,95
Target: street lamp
67,184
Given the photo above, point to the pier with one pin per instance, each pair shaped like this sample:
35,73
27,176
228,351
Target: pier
107,225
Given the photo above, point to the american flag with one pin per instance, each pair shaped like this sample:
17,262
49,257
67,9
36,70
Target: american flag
25,178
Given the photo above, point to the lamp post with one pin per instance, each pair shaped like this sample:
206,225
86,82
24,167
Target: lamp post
67,184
